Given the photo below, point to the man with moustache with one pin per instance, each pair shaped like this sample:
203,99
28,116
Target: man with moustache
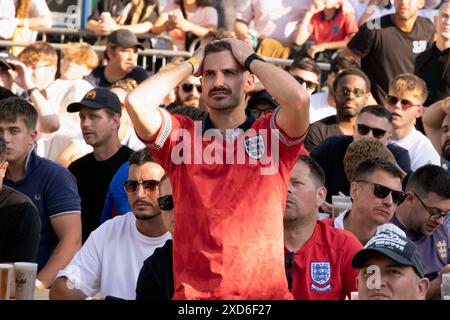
110,260
351,93
220,229
422,217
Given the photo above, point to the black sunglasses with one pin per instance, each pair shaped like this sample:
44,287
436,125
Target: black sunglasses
364,130
309,84
132,185
346,92
289,261
188,87
434,213
165,202
405,103
382,192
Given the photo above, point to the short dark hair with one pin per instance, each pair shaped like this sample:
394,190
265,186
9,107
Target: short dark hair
2,149
377,111
369,166
140,157
430,179
307,64
339,64
13,108
217,46
351,72
316,170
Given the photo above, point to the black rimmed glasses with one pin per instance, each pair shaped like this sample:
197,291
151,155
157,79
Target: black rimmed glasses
188,87
131,186
435,213
364,130
382,192
309,84
346,92
166,202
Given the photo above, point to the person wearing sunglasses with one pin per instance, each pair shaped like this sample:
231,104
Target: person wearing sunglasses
188,92
213,225
373,121
351,93
404,100
110,260
422,216
376,192
317,256
307,73
155,281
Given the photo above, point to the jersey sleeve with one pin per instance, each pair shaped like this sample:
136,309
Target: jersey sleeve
350,25
172,127
61,194
363,41
351,247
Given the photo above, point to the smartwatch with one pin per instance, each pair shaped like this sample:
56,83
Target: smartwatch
250,59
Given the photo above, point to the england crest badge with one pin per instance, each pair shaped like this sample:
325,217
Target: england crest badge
320,275
254,146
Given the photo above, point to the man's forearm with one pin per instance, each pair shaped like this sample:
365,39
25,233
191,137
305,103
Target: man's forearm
63,289
302,33
241,29
48,121
61,256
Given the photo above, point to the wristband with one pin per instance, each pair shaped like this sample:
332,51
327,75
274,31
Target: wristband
31,90
195,64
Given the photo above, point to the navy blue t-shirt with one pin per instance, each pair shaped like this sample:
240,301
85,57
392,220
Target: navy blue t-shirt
53,190
330,153
97,76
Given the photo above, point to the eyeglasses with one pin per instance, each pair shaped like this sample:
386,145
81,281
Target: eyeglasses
289,260
357,92
405,103
258,112
435,213
364,130
309,84
188,87
149,185
165,202
382,192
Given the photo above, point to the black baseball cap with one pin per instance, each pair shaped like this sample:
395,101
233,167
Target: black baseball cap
4,56
98,98
125,39
393,246
262,95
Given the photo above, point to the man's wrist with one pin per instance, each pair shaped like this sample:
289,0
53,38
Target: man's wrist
195,63
250,59
30,91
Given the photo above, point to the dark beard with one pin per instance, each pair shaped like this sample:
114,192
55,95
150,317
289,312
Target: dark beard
148,217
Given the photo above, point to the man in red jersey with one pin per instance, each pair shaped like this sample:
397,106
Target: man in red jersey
229,173
318,256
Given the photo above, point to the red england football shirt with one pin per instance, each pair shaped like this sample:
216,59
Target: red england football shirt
340,27
323,266
229,201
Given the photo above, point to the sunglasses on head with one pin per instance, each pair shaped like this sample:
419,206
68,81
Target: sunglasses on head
309,84
382,192
346,92
364,130
405,103
166,202
188,87
132,185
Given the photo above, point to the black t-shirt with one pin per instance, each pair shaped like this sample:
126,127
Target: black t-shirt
433,66
320,130
386,51
114,7
97,76
20,227
155,281
93,179
330,156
